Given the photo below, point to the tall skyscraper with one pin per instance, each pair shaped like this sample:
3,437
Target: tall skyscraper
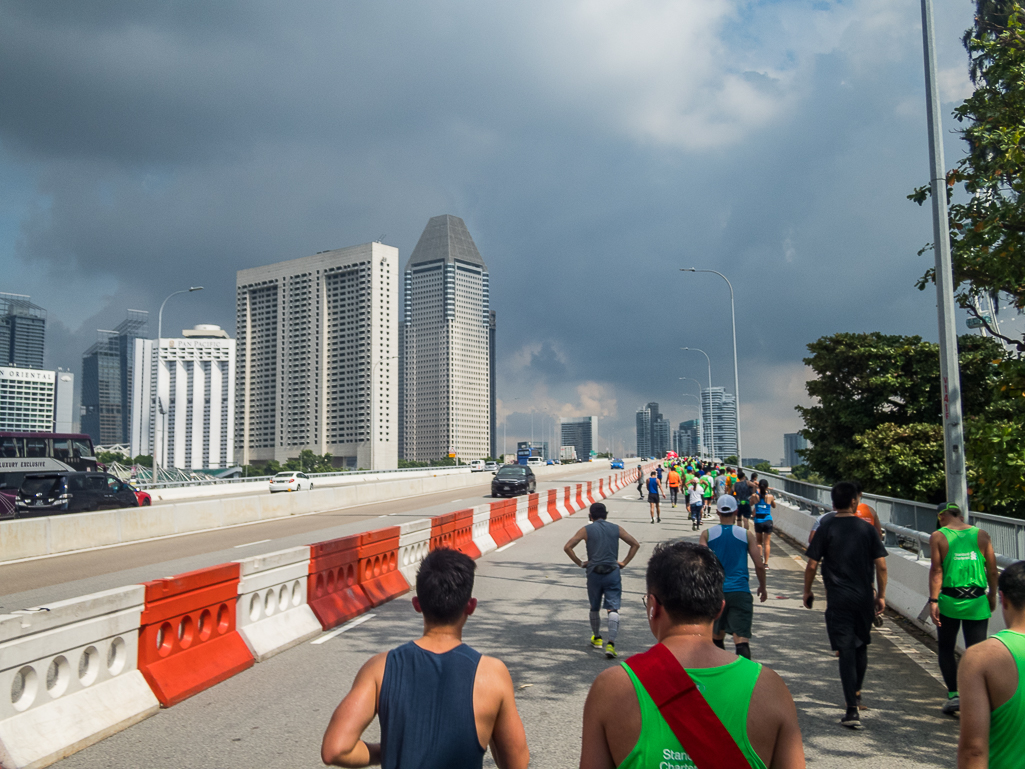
644,447
687,440
792,443
22,332
659,433
582,434
492,327
316,366
719,415
107,369
446,341
196,400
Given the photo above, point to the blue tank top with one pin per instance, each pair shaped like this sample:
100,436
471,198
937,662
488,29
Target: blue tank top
652,485
763,511
426,709
729,543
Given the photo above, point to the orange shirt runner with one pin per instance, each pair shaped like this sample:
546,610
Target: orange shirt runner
673,479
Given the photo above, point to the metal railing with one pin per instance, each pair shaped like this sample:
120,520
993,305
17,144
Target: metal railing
904,515
266,478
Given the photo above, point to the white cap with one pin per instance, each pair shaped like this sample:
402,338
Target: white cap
726,504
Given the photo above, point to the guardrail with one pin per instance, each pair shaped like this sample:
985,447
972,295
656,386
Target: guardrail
346,473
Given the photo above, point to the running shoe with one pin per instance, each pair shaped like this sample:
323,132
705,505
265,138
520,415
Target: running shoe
596,641
851,721
660,519
610,650
952,706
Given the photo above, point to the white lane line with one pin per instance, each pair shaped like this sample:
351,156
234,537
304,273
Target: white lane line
339,630
505,547
250,544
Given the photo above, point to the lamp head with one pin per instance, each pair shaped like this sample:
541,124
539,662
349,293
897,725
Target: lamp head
688,269
195,288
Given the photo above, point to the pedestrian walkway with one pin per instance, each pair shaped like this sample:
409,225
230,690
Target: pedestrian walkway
533,614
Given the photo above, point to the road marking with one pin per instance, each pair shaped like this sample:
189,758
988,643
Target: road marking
339,630
250,544
505,547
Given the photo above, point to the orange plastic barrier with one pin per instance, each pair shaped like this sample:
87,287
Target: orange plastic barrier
454,530
333,585
567,502
532,516
379,575
503,528
580,497
601,482
553,495
188,640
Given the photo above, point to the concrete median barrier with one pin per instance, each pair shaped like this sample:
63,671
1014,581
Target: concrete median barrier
69,676
272,613
414,544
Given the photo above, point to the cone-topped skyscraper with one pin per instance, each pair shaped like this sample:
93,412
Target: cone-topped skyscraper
446,376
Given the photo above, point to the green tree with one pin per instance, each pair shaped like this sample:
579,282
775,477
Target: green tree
732,459
763,467
143,460
904,461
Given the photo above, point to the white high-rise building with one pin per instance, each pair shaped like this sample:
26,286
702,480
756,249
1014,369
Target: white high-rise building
318,358
27,400
196,399
719,417
446,399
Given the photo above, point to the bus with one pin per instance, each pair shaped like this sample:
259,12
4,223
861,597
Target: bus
22,453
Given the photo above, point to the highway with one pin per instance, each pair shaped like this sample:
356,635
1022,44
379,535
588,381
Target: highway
533,615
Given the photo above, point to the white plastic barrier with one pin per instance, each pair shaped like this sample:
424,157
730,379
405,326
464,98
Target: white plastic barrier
560,503
522,519
69,676
414,544
482,529
272,613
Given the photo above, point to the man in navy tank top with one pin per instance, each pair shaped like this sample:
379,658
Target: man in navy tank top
440,703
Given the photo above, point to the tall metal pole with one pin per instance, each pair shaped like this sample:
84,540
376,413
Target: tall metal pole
736,370
711,413
950,375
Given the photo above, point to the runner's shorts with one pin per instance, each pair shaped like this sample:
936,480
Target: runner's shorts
653,497
744,508
736,615
849,627
609,586
763,527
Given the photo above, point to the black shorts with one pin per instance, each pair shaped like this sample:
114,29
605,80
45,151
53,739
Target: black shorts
653,498
763,527
849,627
744,508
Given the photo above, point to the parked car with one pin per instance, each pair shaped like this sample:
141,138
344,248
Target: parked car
617,464
477,466
512,480
71,492
491,466
291,481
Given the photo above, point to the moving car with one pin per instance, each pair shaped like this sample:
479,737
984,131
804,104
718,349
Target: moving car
535,461
291,481
71,492
477,466
491,466
617,464
512,480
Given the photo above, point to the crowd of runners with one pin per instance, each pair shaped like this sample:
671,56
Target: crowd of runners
688,701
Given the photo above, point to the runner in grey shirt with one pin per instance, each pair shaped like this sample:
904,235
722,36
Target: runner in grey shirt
603,565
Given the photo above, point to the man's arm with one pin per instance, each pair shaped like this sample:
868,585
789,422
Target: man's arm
935,575
880,585
992,573
342,745
755,552
973,745
508,739
634,546
575,540
773,729
594,751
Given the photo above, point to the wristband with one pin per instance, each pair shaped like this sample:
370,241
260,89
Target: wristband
934,600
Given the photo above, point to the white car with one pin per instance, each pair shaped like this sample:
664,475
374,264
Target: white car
491,466
535,461
477,466
293,481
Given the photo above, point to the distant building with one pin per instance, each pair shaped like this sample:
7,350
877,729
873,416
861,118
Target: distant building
317,358
654,433
35,400
792,443
447,334
22,332
752,461
195,400
64,402
107,369
644,448
687,440
719,416
492,329
581,433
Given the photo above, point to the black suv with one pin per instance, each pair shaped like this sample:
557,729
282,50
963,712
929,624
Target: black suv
67,492
513,479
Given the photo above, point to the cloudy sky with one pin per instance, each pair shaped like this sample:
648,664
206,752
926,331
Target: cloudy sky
593,148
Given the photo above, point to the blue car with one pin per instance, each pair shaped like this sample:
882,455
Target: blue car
617,464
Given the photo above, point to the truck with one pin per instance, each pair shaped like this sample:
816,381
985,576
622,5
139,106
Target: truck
568,454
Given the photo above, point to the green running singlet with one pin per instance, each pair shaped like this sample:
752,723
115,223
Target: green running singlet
1008,721
964,566
726,689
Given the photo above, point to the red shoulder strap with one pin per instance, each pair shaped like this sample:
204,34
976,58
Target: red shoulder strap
692,720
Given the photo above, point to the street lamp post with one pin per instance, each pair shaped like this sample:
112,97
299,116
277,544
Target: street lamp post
736,370
711,412
157,415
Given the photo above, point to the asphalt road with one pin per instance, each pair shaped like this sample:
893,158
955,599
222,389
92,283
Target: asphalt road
533,615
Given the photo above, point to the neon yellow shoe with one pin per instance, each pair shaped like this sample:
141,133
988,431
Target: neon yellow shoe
596,641
610,651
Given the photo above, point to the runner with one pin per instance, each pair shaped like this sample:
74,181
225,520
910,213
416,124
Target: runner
732,545
440,703
640,482
740,714
992,685
763,503
963,565
695,503
742,492
673,481
706,493
851,551
867,513
655,493
603,566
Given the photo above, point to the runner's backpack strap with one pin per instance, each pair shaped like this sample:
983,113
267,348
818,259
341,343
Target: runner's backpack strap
695,724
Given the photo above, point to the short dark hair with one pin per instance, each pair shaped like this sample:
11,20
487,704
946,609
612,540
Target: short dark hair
687,580
653,472
598,510
444,585
1012,584
741,476
843,495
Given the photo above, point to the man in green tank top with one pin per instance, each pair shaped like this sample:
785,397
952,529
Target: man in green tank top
622,725
963,566
992,685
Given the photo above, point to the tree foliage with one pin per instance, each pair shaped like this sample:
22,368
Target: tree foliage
904,461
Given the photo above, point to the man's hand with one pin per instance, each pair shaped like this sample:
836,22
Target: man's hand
583,564
808,597
934,613
992,601
880,605
622,565
763,594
